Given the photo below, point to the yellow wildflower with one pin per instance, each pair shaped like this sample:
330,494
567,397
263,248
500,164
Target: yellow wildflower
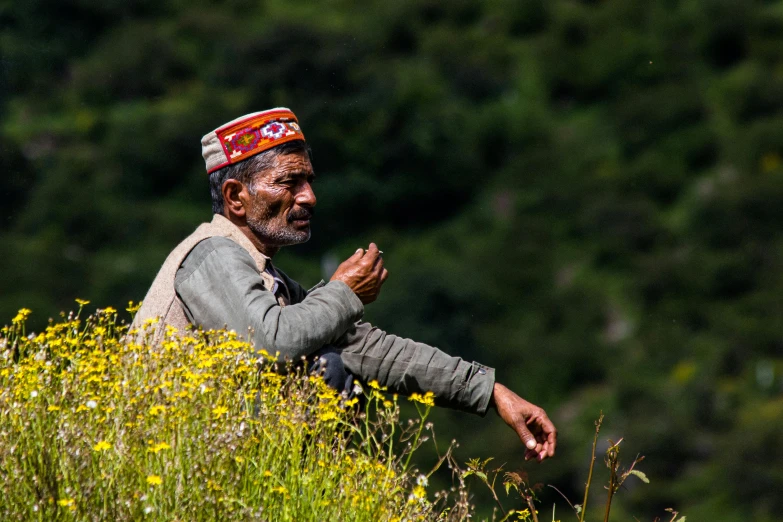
374,385
154,480
219,410
428,399
159,447
82,302
20,317
329,415
101,446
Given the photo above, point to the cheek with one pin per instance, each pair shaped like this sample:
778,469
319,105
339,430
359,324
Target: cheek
276,209
273,203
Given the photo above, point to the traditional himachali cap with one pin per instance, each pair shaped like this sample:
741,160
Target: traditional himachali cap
248,135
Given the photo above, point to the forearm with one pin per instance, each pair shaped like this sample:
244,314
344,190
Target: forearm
299,330
407,367
220,287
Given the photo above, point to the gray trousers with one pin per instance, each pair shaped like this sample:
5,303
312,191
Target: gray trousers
327,363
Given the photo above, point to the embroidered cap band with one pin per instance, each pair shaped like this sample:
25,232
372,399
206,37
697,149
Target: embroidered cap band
248,135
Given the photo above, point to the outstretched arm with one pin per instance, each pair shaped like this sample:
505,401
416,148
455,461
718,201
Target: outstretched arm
406,367
398,363
530,422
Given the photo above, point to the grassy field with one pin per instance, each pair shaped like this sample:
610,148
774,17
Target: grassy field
96,426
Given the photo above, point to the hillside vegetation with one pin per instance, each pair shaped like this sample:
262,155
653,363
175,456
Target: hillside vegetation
97,425
583,194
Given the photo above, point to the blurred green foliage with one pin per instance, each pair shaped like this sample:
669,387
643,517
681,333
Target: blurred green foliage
584,194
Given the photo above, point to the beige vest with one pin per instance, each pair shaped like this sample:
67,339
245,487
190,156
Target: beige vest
162,302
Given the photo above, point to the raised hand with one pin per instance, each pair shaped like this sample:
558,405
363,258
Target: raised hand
363,272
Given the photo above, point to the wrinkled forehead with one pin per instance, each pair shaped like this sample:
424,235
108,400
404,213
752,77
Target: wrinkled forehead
287,165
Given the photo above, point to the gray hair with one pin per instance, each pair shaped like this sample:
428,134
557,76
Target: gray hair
244,171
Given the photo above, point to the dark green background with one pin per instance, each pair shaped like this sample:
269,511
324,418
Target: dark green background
583,194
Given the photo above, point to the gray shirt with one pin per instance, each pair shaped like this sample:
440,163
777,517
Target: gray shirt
220,287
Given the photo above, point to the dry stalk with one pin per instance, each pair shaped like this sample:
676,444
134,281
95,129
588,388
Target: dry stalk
592,464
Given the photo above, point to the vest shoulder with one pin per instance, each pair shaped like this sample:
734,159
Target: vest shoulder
213,243
203,249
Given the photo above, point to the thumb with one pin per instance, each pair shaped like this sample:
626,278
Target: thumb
358,254
527,438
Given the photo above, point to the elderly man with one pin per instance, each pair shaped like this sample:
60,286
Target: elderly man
222,275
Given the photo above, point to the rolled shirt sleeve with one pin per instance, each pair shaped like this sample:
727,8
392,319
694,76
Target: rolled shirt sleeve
220,287
407,367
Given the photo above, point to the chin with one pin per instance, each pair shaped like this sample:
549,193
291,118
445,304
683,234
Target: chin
297,237
282,236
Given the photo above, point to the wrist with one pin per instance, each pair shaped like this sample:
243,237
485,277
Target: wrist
353,300
497,389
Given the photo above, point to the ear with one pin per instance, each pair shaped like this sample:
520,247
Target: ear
234,196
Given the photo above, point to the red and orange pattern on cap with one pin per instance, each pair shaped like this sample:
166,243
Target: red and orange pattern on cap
257,133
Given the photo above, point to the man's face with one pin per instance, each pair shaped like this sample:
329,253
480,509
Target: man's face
282,201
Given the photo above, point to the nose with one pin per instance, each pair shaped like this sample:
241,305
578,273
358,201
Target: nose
305,195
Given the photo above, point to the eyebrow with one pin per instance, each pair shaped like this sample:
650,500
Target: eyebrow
294,174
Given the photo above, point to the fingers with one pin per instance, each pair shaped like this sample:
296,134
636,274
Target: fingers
547,430
373,255
546,437
384,275
374,258
540,452
551,442
372,252
526,436
378,269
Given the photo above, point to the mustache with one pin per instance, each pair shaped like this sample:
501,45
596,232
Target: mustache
303,213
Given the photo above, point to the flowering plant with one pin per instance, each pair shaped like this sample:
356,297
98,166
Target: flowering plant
96,423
